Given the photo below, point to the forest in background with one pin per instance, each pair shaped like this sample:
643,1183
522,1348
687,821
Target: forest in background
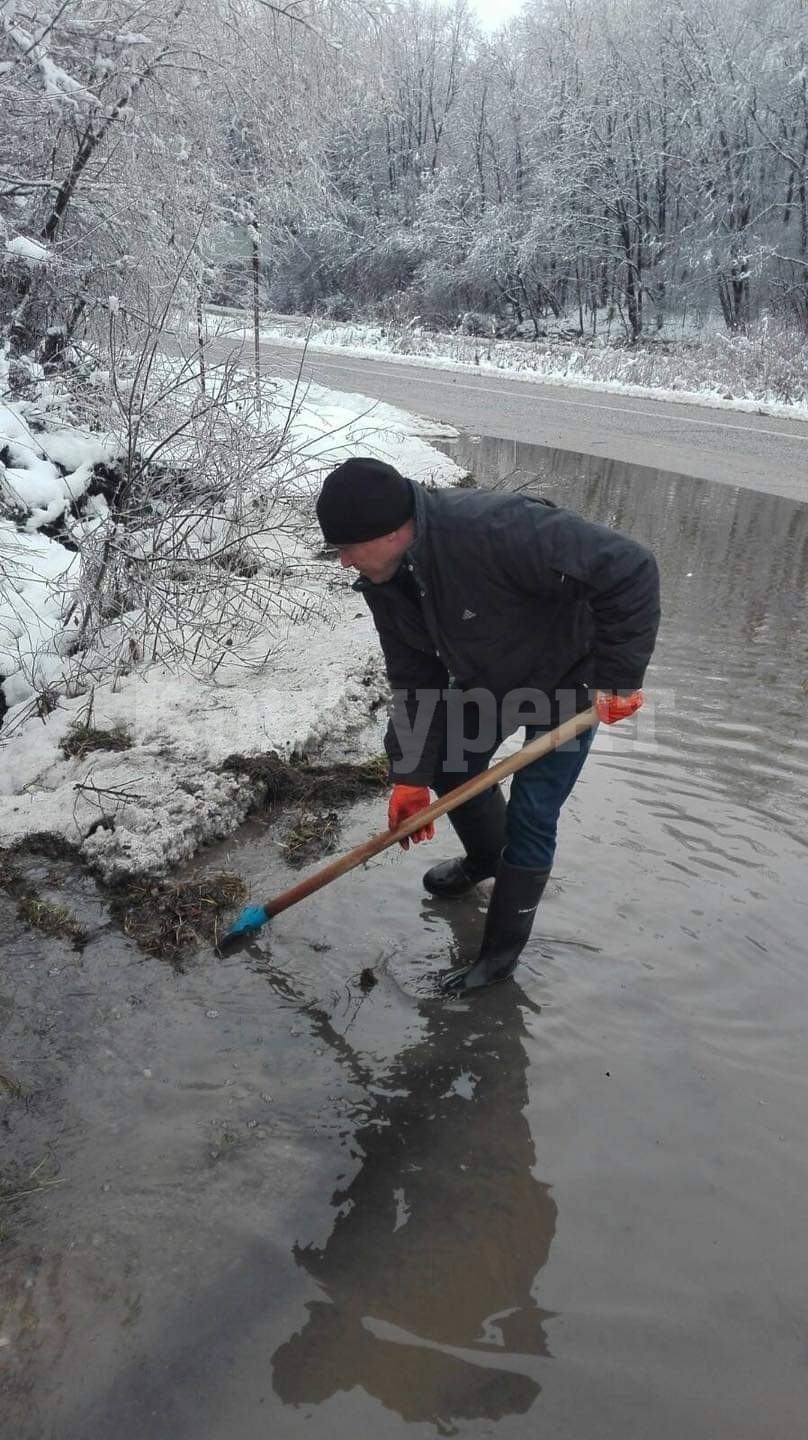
595,164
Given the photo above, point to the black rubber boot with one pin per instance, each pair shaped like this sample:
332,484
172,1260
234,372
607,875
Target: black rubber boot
516,896
482,835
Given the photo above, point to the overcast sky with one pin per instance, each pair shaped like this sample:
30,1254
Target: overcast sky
491,13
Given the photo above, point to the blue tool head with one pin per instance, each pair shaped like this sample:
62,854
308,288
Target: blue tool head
251,918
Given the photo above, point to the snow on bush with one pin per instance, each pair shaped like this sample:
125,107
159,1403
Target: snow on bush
176,589
178,536
767,366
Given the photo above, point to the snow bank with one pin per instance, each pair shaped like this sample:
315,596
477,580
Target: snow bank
43,474
153,805
34,576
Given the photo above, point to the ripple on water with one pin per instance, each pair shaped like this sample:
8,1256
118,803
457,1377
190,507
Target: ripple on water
579,1199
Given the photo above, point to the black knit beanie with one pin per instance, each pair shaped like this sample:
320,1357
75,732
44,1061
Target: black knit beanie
362,500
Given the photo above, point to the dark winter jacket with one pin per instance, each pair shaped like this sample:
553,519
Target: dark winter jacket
514,593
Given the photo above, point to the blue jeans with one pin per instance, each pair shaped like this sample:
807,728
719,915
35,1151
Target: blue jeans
537,795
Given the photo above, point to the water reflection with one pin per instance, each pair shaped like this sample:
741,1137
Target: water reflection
688,875
428,1274
736,558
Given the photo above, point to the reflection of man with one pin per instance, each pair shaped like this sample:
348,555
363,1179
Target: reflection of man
517,601
428,1274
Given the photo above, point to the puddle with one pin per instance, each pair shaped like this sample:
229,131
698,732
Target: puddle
575,1206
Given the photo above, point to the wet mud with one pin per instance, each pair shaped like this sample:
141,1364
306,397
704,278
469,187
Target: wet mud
292,1201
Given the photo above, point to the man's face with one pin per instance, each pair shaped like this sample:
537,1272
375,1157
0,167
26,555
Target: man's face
378,560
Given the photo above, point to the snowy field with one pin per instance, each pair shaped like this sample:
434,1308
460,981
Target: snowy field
763,371
312,678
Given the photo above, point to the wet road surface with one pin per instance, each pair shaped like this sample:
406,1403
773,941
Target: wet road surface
574,1206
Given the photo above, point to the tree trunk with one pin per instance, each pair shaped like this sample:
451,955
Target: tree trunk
200,337
255,248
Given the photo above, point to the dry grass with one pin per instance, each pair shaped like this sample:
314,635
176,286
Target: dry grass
50,919
313,833
81,739
17,1184
167,918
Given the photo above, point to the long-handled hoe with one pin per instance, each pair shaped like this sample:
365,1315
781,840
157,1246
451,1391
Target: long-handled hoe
254,916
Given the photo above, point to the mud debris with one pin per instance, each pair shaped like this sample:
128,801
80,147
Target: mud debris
167,918
281,780
314,830
311,835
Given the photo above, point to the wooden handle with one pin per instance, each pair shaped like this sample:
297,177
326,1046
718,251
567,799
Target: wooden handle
377,843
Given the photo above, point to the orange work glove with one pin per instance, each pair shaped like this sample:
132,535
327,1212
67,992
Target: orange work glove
612,708
407,800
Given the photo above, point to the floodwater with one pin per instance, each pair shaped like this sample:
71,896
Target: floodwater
576,1206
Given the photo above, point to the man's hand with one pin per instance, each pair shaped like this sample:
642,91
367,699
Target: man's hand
405,801
611,707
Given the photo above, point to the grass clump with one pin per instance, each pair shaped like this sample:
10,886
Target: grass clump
312,834
166,918
50,919
83,738
310,788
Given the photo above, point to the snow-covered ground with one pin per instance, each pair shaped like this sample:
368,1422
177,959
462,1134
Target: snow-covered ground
164,797
766,370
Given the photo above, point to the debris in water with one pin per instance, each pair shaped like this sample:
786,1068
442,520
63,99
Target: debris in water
312,834
51,919
310,788
168,917
367,979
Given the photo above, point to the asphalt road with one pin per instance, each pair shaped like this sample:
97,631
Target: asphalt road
758,452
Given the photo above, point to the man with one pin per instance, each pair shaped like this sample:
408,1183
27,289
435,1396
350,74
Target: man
502,603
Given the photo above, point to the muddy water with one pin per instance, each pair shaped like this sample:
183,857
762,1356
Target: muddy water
577,1206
